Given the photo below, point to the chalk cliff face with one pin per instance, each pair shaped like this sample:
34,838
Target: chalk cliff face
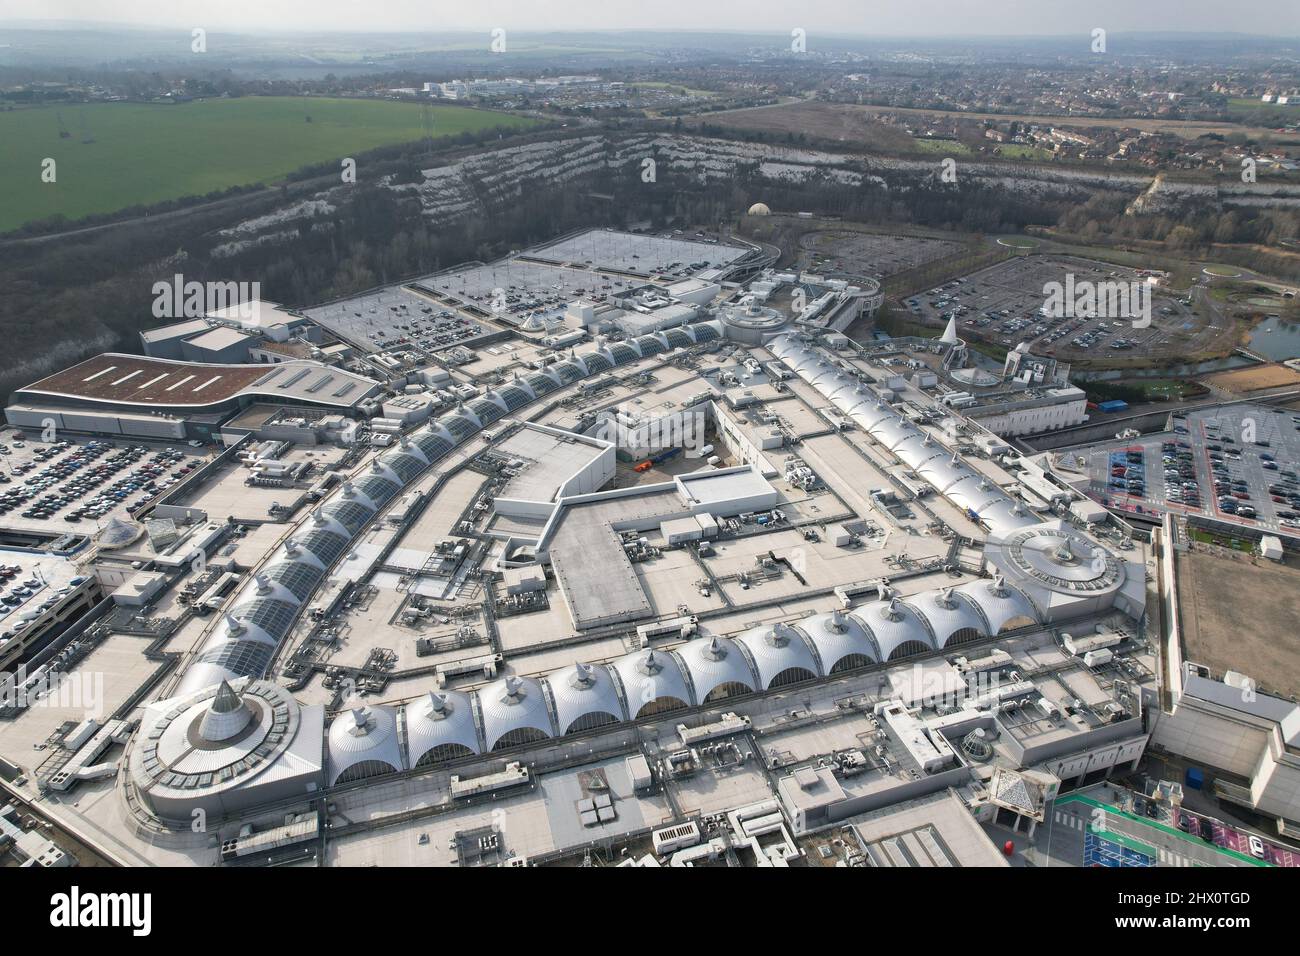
1164,197
469,186
483,183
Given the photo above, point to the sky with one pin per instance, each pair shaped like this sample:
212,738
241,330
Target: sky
839,17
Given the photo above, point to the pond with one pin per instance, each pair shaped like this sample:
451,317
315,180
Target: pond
1276,339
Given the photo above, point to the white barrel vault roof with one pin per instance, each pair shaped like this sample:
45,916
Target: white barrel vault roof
971,495
427,726
647,676
581,690
871,414
778,648
513,703
916,451
836,636
942,473
351,743
948,612
1005,516
892,632
892,432
999,604
714,661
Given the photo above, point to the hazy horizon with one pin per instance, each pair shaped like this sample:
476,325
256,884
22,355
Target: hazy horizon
893,19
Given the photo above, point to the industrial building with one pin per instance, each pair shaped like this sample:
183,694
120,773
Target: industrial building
127,395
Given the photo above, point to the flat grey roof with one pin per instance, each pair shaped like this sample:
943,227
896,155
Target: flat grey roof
709,488
177,330
933,831
549,461
595,575
220,338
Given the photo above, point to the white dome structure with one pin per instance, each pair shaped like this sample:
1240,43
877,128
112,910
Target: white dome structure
1065,574
514,712
363,743
584,696
652,683
439,727
951,616
898,630
718,668
841,641
228,747
759,209
1002,606
780,654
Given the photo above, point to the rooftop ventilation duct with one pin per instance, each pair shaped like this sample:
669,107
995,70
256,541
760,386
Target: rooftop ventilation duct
584,676
715,650
780,635
439,705
360,722
234,625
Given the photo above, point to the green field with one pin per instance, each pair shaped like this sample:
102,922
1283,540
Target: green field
145,153
1255,110
949,147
